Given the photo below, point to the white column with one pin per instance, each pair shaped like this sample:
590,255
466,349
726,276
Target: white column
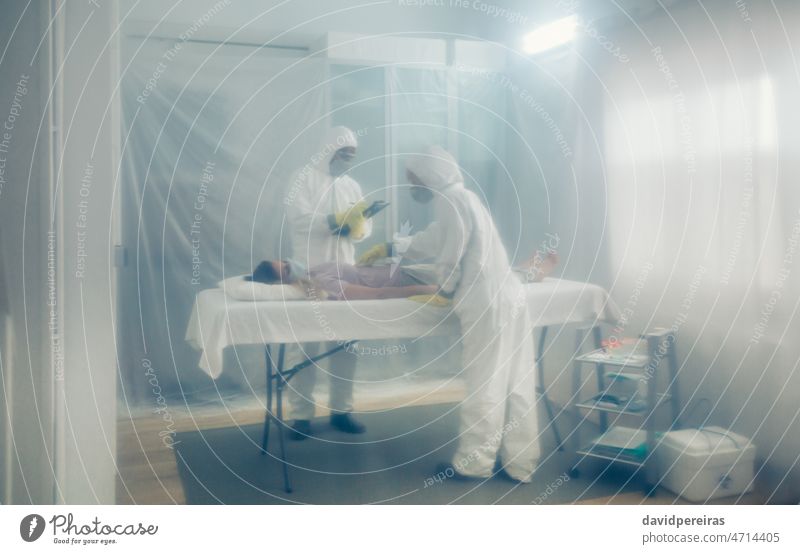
85,421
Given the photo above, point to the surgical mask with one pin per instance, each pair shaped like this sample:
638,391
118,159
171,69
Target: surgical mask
423,195
340,165
297,270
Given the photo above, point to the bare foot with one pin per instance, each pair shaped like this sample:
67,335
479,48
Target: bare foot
538,267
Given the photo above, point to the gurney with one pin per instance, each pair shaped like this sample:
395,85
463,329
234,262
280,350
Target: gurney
218,321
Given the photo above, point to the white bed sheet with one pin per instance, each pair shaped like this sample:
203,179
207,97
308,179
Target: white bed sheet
218,321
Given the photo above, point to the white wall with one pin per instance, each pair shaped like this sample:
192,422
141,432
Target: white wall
87,186
58,373
26,396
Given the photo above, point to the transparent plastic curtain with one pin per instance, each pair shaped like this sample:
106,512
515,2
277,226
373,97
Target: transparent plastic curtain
541,154
683,201
211,136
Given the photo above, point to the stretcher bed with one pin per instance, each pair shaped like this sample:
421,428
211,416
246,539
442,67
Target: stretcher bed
218,321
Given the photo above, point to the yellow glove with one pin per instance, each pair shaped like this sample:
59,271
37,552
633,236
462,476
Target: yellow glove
350,222
375,253
355,221
436,300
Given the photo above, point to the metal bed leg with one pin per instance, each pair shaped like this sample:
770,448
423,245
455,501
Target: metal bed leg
542,390
281,378
280,421
268,417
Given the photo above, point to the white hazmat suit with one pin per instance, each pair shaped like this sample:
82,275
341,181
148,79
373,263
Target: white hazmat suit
498,417
313,194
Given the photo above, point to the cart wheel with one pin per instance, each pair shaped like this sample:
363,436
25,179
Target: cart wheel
574,473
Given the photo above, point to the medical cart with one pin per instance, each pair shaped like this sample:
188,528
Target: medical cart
660,345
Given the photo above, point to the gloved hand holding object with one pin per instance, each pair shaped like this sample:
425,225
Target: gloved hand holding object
349,222
352,222
375,208
375,253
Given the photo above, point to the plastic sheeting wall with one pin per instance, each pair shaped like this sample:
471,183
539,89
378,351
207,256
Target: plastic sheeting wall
212,135
682,199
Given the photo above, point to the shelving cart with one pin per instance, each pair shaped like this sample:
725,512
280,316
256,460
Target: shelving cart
660,344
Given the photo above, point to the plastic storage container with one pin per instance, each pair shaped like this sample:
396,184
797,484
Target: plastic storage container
701,464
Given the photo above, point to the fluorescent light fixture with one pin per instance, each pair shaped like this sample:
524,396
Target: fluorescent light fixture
551,35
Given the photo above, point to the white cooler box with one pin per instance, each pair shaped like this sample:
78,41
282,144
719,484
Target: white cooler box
701,464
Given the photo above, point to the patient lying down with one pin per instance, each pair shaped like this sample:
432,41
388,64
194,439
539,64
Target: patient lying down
332,281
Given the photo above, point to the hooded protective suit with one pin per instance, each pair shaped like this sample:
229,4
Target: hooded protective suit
313,194
499,414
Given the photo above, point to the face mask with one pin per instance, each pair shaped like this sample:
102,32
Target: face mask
340,165
296,269
423,195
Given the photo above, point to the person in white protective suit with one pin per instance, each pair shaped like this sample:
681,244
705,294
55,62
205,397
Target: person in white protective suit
498,421
324,209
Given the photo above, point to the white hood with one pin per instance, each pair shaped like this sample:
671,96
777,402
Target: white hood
335,139
437,168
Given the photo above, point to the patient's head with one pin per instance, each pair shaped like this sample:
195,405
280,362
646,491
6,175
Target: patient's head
272,272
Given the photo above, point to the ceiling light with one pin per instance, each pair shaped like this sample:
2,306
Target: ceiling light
551,35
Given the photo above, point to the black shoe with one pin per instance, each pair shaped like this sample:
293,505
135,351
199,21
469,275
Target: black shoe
347,424
301,430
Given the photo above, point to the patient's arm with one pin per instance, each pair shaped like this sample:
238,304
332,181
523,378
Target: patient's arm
360,292
537,267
